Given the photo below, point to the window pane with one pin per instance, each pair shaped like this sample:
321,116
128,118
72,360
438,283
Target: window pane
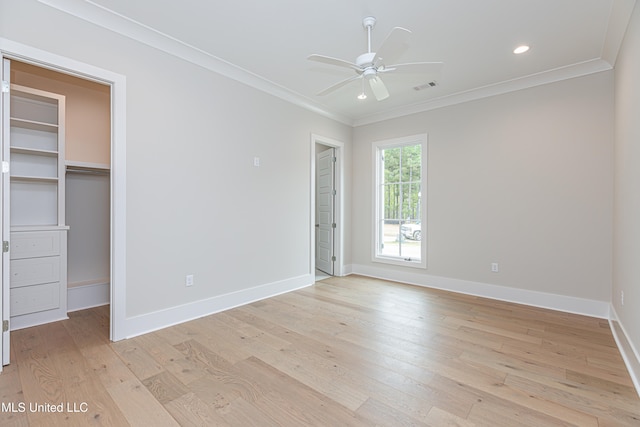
391,162
399,213
391,240
391,219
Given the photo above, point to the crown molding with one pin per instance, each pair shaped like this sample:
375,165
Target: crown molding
105,18
619,17
110,20
542,78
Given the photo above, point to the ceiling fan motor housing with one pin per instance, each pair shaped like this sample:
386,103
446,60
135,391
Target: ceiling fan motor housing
369,73
365,59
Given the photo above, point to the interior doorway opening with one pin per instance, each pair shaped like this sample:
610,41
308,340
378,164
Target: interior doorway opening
327,232
115,86
79,141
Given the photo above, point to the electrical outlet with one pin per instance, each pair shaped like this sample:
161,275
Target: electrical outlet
621,297
494,267
188,281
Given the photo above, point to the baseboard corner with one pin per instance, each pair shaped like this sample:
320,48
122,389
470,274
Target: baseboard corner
628,352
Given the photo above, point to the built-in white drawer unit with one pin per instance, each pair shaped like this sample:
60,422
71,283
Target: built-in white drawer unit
37,270
31,244
34,299
34,271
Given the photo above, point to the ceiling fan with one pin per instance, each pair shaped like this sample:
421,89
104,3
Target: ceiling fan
371,65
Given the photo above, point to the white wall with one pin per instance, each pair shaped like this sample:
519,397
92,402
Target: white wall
87,215
523,179
195,202
626,260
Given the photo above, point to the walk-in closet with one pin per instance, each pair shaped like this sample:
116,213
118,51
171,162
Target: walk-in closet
59,194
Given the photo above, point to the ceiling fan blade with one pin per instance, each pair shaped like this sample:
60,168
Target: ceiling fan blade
338,85
393,46
378,88
414,67
333,61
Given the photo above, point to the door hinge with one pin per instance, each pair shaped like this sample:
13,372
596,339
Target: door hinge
5,326
5,246
333,225
333,258
5,86
334,192
334,159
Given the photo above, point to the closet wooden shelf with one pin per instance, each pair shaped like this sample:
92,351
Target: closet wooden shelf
73,166
40,227
21,178
34,125
34,151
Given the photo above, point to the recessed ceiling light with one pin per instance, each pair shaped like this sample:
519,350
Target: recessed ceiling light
521,49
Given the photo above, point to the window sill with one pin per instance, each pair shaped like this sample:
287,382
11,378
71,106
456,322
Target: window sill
401,262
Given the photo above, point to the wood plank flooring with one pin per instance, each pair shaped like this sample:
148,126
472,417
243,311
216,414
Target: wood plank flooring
350,351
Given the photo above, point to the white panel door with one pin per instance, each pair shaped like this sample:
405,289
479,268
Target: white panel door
325,217
4,202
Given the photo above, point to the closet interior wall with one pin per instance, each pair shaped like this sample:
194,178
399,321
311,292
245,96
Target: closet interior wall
87,180
87,210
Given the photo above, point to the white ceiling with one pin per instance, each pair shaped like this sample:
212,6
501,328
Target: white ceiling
267,43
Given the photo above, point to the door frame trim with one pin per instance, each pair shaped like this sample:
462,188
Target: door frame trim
117,82
338,243
5,341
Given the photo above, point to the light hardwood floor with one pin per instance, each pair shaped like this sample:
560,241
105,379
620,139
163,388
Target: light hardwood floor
349,351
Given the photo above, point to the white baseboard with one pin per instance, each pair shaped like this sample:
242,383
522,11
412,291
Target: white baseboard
629,353
563,303
347,269
150,322
87,296
35,319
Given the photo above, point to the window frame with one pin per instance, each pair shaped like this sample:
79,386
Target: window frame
377,148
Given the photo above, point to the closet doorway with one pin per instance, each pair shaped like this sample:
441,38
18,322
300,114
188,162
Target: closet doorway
78,140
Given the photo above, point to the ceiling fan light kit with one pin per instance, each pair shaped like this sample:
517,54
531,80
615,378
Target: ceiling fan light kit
369,65
363,94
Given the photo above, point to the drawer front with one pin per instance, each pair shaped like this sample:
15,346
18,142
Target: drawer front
34,271
33,244
31,299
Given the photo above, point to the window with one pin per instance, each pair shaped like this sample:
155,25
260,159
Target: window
400,194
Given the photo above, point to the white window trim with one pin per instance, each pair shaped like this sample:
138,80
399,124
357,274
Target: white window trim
391,143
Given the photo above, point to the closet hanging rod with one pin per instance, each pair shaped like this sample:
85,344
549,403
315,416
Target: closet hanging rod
92,171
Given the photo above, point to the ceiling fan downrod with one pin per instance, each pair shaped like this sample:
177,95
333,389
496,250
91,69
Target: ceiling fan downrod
365,61
369,22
